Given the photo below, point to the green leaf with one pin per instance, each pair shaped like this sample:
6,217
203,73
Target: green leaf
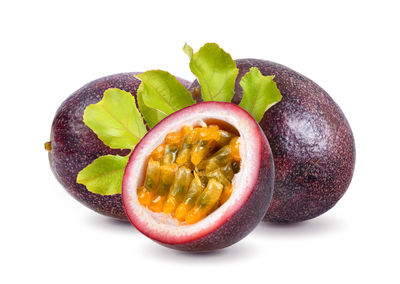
163,92
259,93
104,175
188,50
116,120
151,115
216,71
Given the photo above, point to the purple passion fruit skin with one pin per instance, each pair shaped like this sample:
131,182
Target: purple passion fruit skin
311,141
74,145
239,215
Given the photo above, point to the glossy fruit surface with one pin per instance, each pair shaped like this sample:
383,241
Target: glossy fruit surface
235,217
311,141
74,145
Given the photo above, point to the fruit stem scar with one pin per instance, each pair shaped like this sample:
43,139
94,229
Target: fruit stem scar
47,146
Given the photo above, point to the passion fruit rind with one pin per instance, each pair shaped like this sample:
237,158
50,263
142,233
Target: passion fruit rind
73,145
234,219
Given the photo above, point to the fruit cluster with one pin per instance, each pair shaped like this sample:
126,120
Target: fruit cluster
196,166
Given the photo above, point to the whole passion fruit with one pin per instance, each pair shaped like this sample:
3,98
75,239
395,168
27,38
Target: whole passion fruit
73,145
201,179
311,141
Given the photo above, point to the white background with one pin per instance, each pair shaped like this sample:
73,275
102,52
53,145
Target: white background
51,48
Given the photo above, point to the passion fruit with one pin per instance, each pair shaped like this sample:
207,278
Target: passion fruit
311,141
201,179
73,145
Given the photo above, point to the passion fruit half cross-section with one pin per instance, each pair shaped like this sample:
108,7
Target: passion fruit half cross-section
201,179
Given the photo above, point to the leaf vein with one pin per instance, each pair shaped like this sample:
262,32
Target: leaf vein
120,122
101,175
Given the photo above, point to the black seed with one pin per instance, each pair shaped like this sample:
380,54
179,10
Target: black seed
235,167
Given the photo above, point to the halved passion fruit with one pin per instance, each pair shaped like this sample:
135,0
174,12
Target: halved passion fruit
201,179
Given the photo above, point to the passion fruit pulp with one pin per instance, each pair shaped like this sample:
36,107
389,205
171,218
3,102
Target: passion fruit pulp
201,179
73,145
190,174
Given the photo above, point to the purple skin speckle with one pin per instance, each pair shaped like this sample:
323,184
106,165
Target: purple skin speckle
74,145
311,141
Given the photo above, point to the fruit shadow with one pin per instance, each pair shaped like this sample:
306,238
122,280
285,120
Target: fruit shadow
316,227
108,223
233,253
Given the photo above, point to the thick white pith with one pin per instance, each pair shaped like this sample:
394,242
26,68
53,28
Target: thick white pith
165,228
